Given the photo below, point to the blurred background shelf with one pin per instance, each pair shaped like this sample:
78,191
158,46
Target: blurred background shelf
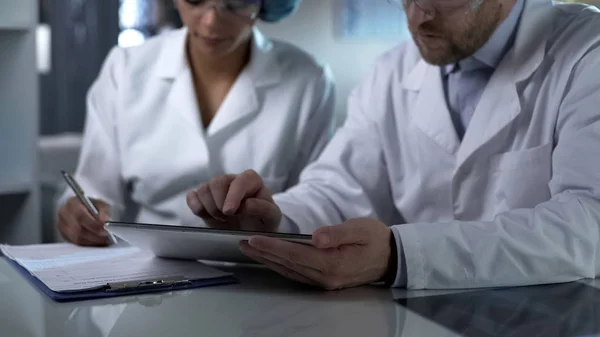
18,14
19,127
16,187
14,26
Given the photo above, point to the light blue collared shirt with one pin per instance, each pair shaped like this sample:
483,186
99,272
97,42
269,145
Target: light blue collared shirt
465,81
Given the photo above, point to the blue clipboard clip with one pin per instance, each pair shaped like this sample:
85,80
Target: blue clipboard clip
167,282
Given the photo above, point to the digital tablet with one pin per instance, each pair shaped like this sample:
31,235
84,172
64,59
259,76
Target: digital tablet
192,243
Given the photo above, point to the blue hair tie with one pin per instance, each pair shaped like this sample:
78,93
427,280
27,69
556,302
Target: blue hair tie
276,10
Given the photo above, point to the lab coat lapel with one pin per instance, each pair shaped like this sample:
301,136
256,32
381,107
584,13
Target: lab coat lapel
172,68
240,104
430,112
500,105
242,101
182,99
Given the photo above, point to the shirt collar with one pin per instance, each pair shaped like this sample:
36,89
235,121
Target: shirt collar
492,52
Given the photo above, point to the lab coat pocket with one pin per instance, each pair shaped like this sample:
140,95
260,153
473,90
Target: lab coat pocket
539,155
522,176
275,184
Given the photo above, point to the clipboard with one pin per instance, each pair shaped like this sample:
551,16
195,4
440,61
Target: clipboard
126,288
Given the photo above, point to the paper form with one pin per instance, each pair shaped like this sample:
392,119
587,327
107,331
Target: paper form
68,268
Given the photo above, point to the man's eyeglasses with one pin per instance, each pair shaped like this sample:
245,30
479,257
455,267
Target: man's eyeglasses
247,9
423,5
431,6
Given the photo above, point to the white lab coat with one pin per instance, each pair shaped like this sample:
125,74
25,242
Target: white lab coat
517,202
144,144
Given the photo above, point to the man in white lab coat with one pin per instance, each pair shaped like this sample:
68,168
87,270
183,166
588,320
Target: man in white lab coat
477,143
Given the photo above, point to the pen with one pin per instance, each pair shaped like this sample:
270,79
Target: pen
84,199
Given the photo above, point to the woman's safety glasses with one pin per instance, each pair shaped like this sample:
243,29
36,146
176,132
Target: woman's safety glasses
246,9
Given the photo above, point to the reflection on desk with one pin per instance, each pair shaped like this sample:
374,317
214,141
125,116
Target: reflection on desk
264,304
239,314
336,315
566,310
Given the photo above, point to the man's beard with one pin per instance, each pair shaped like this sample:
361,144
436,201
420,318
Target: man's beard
473,33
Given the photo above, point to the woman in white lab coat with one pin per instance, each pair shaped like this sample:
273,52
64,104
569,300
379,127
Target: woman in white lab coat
214,97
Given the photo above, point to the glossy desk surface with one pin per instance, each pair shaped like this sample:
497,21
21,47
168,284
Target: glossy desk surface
263,304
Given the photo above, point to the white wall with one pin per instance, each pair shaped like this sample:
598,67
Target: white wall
312,28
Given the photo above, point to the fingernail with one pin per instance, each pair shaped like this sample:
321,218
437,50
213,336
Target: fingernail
254,242
194,204
228,208
323,240
245,248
